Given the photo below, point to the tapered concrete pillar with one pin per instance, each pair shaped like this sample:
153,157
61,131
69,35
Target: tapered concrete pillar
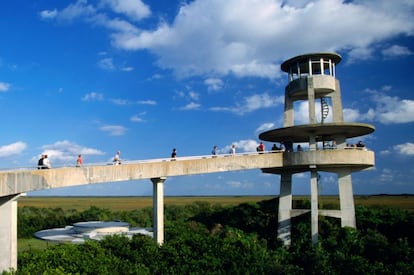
158,209
288,117
346,198
8,232
314,205
285,208
311,101
337,110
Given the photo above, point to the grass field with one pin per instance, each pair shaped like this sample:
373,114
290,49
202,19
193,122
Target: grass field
32,243
405,202
127,203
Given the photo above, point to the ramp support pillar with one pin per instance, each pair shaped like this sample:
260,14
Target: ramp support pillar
346,198
158,209
8,232
314,205
285,208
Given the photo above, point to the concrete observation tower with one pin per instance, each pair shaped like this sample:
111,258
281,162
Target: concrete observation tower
312,79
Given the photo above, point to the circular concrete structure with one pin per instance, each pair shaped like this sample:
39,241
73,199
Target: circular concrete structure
93,230
352,159
82,227
322,132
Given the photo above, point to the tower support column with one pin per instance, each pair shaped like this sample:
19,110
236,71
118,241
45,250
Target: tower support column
311,101
8,232
314,205
288,118
337,115
285,208
346,198
158,209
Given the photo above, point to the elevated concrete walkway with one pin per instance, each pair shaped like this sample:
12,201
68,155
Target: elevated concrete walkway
22,181
15,182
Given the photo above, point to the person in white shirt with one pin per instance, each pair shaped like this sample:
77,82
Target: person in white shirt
117,158
46,162
233,149
282,147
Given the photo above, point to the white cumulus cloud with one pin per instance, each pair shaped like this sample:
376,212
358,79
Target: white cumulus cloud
106,64
12,149
136,118
4,87
93,96
405,149
247,145
48,14
114,130
396,50
265,127
65,152
214,84
134,9
191,106
147,102
248,37
392,109
252,103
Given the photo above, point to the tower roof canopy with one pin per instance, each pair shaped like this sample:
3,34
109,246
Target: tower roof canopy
336,58
301,133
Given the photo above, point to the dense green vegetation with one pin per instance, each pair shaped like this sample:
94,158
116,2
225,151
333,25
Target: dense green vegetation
202,238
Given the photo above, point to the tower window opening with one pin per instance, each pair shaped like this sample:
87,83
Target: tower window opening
321,66
327,67
316,66
311,66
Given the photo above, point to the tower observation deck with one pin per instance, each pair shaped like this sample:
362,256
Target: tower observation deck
312,78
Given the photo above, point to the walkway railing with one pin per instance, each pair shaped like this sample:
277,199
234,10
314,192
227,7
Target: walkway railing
126,161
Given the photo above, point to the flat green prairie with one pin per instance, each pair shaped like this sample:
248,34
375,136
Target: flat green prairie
128,203
405,202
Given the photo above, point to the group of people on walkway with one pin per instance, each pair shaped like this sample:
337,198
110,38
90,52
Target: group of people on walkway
214,151
43,162
359,145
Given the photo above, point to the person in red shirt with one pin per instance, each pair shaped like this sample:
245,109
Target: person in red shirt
79,161
261,147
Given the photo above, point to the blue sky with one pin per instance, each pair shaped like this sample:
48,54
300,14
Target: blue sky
94,77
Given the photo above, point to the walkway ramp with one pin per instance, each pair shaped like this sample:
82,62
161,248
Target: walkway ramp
22,181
